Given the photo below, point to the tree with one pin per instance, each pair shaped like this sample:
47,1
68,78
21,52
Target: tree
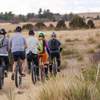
30,15
91,24
40,13
61,25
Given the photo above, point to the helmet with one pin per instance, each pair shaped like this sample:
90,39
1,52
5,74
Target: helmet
53,34
3,31
18,29
41,34
31,32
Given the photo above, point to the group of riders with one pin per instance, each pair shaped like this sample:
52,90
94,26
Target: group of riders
29,49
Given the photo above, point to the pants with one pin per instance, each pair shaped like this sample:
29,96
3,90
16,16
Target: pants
4,59
57,56
33,57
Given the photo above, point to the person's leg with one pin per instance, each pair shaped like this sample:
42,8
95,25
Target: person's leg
22,57
51,62
6,61
13,69
29,62
15,56
36,62
45,61
58,61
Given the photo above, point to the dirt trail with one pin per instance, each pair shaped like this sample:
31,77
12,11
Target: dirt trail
9,91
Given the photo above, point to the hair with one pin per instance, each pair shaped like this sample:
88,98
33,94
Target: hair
18,29
3,32
31,32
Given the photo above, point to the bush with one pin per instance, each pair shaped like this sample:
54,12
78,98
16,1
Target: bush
51,26
91,24
91,40
40,25
27,27
61,25
77,22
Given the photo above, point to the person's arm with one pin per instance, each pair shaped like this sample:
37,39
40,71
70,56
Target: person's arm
7,44
60,46
25,43
10,44
47,48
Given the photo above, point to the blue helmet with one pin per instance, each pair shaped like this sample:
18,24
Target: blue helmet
53,34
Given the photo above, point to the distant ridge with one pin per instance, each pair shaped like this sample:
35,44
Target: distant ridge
89,14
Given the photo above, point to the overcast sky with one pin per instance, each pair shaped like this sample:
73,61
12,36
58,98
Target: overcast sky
59,6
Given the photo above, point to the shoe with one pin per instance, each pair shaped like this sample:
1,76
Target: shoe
23,75
12,77
38,78
47,78
5,73
58,69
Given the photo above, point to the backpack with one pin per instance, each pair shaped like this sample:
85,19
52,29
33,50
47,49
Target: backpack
1,40
54,45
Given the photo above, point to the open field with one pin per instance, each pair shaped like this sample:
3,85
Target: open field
78,47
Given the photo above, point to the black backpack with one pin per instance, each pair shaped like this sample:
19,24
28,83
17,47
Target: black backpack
1,41
54,45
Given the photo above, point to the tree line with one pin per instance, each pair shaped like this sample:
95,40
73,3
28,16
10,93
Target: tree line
43,15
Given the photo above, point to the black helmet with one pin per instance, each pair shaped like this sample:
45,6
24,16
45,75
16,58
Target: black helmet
18,29
3,31
31,32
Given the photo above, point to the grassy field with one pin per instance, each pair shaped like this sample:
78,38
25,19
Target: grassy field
77,78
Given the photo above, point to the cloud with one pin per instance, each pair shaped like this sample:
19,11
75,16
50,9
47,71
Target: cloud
60,6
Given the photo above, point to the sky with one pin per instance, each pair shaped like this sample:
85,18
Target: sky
56,6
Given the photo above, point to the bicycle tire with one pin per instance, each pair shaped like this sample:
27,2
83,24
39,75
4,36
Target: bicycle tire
42,74
33,69
1,78
18,78
54,66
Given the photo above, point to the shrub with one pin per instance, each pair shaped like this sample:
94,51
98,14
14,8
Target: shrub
27,27
70,53
98,46
91,24
77,22
80,58
91,51
61,25
91,40
51,26
40,25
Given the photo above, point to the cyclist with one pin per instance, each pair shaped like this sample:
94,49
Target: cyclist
18,45
32,51
4,47
43,52
55,47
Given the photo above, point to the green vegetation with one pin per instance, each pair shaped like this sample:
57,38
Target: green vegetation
77,22
91,24
61,25
27,27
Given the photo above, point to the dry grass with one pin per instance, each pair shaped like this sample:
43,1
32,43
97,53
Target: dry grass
67,88
91,40
76,45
